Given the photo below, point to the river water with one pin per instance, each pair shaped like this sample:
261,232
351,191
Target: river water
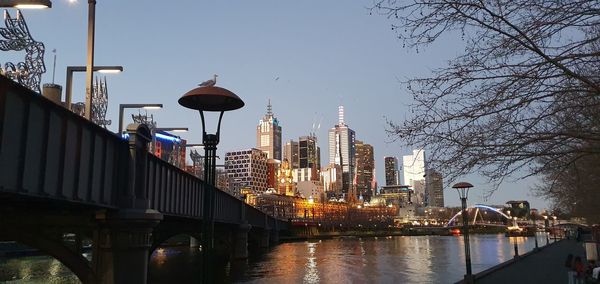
398,259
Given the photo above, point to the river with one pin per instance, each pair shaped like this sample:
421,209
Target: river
398,259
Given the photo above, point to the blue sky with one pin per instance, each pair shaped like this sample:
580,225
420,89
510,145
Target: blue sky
323,53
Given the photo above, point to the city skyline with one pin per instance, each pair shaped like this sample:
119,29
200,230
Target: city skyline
342,56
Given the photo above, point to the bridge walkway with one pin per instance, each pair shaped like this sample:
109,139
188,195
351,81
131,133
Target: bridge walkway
544,266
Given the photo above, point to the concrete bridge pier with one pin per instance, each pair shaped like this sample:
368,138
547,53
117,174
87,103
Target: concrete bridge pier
122,245
274,237
264,238
240,242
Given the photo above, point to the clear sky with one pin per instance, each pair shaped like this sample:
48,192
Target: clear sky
308,57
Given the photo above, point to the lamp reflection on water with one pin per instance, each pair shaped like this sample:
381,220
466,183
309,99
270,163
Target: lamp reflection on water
311,274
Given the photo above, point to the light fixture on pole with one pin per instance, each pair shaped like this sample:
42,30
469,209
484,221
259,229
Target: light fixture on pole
212,99
122,107
533,215
69,82
463,192
546,229
26,4
515,224
89,84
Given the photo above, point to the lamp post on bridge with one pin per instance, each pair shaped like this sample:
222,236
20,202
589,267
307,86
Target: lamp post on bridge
463,193
515,238
533,215
122,107
213,99
69,82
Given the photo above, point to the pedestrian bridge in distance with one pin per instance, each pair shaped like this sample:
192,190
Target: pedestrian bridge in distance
476,216
66,183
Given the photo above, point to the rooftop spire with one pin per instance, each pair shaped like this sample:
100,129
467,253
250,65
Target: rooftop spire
341,115
269,109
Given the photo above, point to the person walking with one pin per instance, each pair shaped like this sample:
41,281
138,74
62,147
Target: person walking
579,271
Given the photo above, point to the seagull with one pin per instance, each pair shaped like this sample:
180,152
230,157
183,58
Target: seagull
209,83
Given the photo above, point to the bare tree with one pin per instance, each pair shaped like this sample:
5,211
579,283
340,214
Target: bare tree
515,100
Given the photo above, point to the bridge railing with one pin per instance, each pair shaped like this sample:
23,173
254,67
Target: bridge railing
49,152
173,191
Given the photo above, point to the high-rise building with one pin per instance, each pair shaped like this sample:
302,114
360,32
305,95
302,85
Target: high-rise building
414,175
365,165
309,155
268,135
331,177
248,168
391,171
342,151
434,185
290,153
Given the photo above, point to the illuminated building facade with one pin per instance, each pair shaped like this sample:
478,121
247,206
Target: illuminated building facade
268,135
365,165
170,148
248,168
414,175
331,178
392,176
342,151
285,181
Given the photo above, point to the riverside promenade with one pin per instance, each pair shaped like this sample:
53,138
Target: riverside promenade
546,265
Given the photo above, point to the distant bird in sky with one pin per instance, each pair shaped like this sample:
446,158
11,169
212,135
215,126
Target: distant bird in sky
209,83
276,78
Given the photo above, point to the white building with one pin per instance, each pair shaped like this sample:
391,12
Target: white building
413,167
342,151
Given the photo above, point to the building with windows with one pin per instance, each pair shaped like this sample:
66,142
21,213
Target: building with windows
342,151
309,154
414,175
290,153
268,135
392,176
434,188
248,169
365,165
331,177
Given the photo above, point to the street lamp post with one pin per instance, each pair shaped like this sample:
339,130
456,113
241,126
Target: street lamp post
463,192
553,228
546,229
515,238
90,59
122,107
534,230
69,82
213,99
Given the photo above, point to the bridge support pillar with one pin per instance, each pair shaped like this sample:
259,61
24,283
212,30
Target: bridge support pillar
274,236
240,247
264,238
122,245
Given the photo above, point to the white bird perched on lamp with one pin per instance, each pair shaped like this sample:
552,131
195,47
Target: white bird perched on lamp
209,83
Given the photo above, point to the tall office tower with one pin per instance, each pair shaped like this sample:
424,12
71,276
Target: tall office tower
434,185
248,168
414,175
268,135
342,151
365,166
309,155
391,171
290,153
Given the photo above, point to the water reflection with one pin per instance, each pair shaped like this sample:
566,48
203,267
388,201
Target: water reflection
423,259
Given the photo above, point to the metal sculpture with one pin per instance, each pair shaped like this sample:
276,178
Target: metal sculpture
100,103
145,119
16,37
198,163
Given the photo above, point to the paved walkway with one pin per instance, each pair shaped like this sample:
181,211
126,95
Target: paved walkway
544,266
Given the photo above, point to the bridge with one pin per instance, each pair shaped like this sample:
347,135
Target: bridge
66,182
